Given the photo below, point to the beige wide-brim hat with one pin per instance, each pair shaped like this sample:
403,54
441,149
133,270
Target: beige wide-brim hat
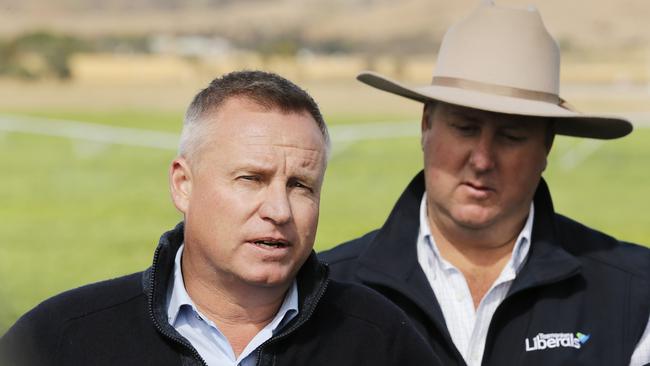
503,60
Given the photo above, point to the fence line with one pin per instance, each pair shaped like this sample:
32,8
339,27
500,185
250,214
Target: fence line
169,141
90,132
343,135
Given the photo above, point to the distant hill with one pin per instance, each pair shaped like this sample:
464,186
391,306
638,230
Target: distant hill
375,26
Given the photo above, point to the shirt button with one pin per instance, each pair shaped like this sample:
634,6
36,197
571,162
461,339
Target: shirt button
459,296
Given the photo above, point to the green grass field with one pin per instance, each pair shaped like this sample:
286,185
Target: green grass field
75,211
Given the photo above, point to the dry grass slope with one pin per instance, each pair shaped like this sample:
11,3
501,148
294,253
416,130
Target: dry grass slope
612,26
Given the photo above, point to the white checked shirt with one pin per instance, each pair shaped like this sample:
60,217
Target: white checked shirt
467,326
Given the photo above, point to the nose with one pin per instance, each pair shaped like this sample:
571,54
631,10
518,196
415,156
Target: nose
276,206
482,156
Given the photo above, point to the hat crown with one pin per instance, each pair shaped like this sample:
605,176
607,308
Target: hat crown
501,46
503,60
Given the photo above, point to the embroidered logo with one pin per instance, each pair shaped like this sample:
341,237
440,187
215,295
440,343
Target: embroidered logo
544,341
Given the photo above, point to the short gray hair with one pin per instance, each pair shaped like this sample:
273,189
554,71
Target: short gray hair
267,89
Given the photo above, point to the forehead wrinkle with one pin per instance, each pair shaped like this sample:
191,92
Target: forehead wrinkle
311,153
308,157
267,156
308,150
263,138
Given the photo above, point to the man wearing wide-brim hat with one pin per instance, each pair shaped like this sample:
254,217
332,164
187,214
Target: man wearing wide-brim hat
473,251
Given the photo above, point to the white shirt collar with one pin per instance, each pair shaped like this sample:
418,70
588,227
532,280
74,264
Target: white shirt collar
519,251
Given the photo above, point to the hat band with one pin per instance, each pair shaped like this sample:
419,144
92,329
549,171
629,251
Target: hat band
505,91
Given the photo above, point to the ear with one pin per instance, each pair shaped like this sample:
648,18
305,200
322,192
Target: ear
180,183
426,114
545,164
424,125
549,144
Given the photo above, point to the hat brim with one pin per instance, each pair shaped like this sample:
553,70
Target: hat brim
568,122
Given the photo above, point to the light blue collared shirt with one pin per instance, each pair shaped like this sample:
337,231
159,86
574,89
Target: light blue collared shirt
205,336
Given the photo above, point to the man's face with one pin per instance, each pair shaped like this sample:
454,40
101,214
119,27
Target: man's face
481,168
251,196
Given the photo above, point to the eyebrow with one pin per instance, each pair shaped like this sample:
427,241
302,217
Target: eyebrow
256,166
252,165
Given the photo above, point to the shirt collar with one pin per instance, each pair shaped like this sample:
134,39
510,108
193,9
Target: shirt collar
519,252
288,310
177,298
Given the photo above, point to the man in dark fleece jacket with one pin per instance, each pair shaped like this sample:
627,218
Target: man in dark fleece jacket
237,283
473,250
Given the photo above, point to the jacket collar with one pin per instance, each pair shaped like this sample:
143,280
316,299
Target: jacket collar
394,247
548,261
312,282
157,278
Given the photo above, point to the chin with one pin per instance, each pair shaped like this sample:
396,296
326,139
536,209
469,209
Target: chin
474,218
269,278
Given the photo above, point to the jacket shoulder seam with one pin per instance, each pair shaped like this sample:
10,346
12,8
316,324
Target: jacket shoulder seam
376,325
103,308
348,258
66,323
618,267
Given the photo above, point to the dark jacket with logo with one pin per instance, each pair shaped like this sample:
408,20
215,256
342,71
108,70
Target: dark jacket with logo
574,280
124,322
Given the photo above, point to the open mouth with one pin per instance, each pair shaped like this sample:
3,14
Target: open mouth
270,243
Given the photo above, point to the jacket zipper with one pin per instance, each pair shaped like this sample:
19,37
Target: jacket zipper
295,326
160,329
